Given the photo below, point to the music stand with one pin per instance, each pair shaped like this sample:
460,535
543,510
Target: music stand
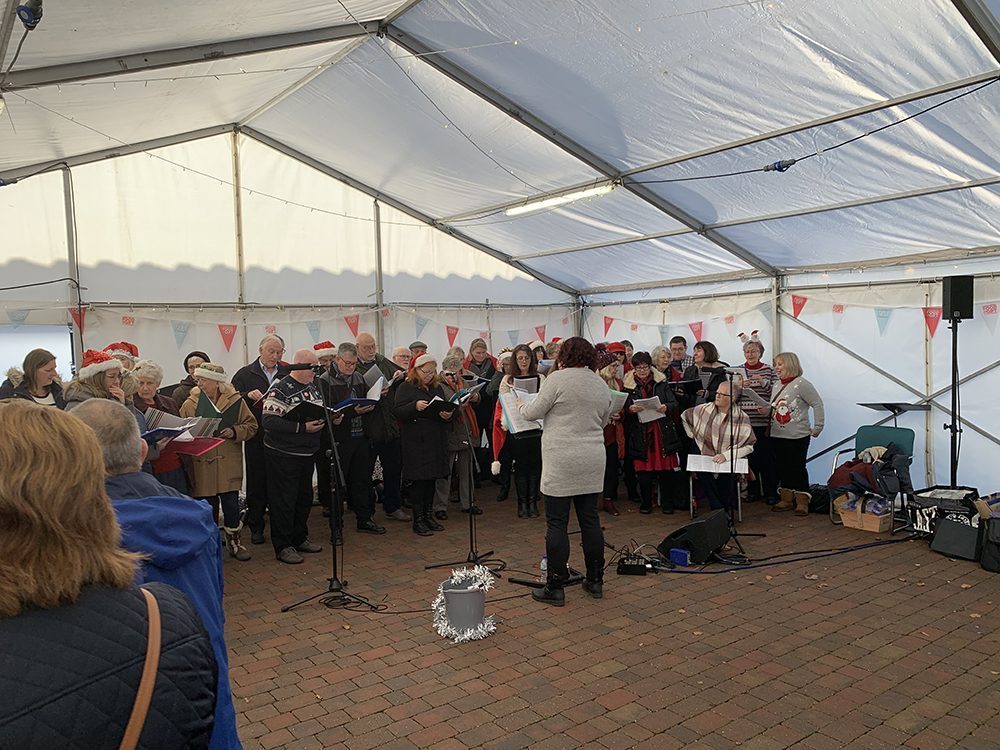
896,407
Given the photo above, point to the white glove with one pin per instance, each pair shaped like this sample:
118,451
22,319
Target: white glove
495,468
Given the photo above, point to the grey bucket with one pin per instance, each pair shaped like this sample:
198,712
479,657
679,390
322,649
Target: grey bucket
464,606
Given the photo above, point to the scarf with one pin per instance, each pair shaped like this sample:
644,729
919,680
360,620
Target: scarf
709,428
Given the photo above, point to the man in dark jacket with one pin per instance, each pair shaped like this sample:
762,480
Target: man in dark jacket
341,382
176,534
382,427
253,381
289,447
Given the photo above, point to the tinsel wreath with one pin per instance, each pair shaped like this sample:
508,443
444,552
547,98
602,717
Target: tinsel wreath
478,577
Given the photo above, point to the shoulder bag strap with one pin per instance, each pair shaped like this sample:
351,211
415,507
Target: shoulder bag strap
144,694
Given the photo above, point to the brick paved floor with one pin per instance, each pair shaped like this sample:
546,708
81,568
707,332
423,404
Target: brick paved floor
887,647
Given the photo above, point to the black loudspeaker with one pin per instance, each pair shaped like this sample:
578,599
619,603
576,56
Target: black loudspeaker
957,297
701,537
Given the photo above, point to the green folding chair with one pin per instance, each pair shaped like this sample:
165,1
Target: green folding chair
871,436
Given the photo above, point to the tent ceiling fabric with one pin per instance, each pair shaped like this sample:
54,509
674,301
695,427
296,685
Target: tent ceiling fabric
606,90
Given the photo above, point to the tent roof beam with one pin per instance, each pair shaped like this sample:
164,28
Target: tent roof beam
400,206
86,70
668,283
982,21
481,89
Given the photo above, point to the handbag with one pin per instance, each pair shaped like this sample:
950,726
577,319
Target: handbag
144,694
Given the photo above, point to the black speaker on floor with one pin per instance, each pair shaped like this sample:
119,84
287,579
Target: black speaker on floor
957,297
701,537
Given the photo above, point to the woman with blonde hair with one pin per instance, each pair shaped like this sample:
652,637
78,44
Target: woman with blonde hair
424,439
70,614
218,474
100,377
792,397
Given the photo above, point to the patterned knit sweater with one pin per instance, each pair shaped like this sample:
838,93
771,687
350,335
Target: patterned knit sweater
790,405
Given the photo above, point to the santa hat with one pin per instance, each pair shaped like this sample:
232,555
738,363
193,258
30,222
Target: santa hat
325,349
616,347
210,371
123,349
556,339
424,359
536,344
95,362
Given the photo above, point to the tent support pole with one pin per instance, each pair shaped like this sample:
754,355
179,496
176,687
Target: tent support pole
775,308
73,260
379,290
238,220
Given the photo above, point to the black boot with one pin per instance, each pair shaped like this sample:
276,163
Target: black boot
421,510
420,526
523,487
533,507
594,585
533,495
522,508
429,519
552,592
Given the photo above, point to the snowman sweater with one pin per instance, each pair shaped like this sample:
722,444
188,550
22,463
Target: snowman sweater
790,404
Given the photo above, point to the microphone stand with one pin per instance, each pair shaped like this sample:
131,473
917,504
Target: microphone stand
475,557
336,593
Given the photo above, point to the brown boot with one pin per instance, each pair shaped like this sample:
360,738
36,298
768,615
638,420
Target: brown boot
802,503
609,506
786,501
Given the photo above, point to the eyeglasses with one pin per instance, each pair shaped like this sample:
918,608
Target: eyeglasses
348,362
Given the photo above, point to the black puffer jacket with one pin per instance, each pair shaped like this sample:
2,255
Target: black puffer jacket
70,674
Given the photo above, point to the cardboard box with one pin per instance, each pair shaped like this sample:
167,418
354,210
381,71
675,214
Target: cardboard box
858,519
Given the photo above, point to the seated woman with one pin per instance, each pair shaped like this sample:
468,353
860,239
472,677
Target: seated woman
169,468
70,614
37,381
424,436
719,429
707,372
218,474
654,447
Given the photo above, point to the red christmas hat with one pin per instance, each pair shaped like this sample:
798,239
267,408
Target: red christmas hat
325,349
95,362
123,349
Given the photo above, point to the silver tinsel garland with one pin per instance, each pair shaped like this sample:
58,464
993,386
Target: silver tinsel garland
478,577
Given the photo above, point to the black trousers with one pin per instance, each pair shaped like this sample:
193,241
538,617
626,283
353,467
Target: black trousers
357,461
611,471
672,486
762,463
527,454
257,486
719,489
506,458
391,456
790,463
631,480
422,497
557,536
290,494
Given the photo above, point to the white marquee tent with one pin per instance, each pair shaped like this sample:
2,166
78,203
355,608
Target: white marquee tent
191,175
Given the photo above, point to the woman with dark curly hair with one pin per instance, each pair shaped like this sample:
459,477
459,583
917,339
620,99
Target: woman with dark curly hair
575,404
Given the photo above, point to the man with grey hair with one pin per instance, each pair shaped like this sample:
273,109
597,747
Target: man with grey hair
175,534
253,381
339,383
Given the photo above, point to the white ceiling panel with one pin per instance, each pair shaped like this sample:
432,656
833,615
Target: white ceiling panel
383,124
640,81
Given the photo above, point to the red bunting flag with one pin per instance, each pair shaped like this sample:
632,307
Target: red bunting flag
228,333
452,334
565,321
932,316
634,327
730,320
797,304
696,329
838,309
385,312
484,335
270,328
128,321
990,313
607,324
540,330
79,314
352,323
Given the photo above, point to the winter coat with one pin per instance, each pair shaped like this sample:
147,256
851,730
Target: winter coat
15,387
182,548
70,674
180,392
381,425
458,438
635,431
424,435
221,469
253,378
718,376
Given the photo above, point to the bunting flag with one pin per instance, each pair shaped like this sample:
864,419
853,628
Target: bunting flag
882,315
540,330
313,327
838,315
990,316
180,329
17,316
730,321
607,324
452,334
79,315
484,335
664,335
420,325
384,312
696,328
797,304
270,328
128,321
565,321
513,335
228,333
352,323
634,327
932,316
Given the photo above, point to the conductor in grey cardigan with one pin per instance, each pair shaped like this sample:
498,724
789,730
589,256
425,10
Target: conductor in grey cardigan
575,405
